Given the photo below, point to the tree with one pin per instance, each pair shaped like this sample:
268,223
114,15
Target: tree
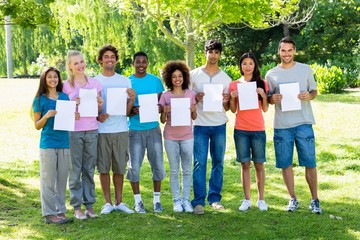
25,13
96,23
186,21
332,37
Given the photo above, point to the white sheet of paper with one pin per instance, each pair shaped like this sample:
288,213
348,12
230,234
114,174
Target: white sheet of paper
180,111
248,97
290,100
88,106
213,98
148,110
65,116
116,100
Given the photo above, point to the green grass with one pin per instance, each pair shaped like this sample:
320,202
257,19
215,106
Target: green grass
338,153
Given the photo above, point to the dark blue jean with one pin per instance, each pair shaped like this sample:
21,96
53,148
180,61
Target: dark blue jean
215,136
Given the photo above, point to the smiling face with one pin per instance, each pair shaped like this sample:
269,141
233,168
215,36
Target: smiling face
247,66
108,60
177,78
140,64
52,79
286,52
77,64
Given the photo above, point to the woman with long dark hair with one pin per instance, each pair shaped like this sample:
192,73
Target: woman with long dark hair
249,132
54,148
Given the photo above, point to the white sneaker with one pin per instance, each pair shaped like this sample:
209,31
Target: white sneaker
177,206
106,209
187,206
122,207
245,205
139,207
262,205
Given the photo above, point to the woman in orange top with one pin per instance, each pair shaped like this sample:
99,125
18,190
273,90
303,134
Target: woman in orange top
249,132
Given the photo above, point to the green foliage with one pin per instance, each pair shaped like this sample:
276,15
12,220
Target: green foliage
329,79
332,37
27,13
266,67
232,71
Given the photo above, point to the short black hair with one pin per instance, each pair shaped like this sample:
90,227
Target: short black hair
137,54
213,45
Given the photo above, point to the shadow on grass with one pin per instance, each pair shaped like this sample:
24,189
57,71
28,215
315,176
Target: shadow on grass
352,96
20,214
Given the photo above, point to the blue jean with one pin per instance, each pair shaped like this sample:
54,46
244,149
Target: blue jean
303,138
250,145
216,137
180,152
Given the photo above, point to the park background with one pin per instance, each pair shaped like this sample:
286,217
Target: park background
327,36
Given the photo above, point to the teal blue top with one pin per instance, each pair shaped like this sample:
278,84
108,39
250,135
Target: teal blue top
146,85
51,138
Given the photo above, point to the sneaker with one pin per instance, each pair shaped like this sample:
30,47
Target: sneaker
158,207
315,206
139,207
177,206
106,209
123,208
245,205
293,205
262,205
199,209
217,206
187,206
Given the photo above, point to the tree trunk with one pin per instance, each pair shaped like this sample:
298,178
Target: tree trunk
24,54
286,31
9,63
190,52
190,42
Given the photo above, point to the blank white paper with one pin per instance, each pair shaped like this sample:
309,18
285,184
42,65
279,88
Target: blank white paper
248,97
65,116
180,112
213,98
116,101
88,106
148,108
290,100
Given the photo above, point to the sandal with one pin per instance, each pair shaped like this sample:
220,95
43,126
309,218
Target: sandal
62,216
52,219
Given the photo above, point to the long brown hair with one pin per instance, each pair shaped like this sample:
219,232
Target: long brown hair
43,88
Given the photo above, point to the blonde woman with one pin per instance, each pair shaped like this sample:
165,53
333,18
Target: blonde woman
83,141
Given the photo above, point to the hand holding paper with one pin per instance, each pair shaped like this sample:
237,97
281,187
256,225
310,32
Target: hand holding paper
180,112
116,101
247,95
65,116
148,110
88,106
290,100
213,98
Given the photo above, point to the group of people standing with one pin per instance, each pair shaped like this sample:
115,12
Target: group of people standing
117,142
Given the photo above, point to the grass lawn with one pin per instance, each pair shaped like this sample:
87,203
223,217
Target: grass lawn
338,155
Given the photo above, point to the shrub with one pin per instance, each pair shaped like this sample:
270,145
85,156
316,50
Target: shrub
232,71
266,67
329,79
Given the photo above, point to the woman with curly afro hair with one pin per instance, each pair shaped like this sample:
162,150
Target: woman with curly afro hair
178,140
